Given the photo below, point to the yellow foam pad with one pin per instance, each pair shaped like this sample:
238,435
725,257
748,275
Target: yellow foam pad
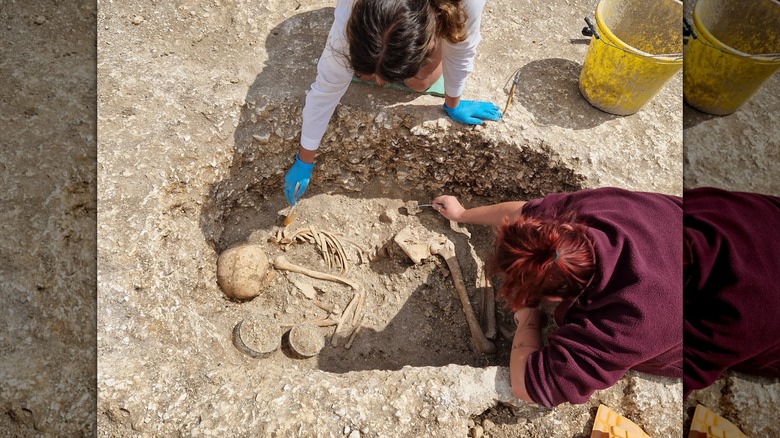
610,424
706,423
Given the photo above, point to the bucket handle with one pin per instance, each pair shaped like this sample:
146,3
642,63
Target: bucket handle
689,32
688,29
590,30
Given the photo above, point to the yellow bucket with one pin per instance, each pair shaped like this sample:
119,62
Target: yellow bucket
734,49
635,50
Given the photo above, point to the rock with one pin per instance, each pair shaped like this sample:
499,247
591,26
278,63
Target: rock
388,216
354,434
40,19
471,423
487,425
412,208
476,432
138,19
262,138
243,272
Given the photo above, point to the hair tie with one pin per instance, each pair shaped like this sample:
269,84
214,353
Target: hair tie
557,256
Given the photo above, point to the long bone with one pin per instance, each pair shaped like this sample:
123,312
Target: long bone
490,305
445,248
283,264
357,301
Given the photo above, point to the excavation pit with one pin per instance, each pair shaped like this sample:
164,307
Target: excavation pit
192,151
362,191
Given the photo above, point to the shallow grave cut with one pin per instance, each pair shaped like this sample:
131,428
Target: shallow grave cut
364,192
394,304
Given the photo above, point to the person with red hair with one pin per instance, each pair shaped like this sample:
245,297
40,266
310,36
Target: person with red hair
612,261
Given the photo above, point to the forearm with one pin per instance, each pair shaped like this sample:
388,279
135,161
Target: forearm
527,339
451,102
491,214
306,155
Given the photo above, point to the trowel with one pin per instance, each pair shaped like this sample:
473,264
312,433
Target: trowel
413,208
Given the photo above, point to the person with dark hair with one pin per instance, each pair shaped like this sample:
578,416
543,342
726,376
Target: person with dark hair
413,41
612,261
731,285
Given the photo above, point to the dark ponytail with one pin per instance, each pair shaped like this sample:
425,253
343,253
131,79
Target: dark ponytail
393,39
450,20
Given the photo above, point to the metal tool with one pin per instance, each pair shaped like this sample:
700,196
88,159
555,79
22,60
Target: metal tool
515,82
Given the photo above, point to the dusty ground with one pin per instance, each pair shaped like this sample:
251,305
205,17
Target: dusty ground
184,88
198,114
199,111
47,219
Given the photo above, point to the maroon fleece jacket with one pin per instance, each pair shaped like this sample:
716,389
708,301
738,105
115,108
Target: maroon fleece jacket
732,286
630,315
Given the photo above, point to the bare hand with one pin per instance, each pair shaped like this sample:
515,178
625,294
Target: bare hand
449,207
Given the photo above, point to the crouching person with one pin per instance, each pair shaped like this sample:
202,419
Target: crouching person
612,261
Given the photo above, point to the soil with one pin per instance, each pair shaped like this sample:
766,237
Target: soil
412,314
306,340
198,115
260,336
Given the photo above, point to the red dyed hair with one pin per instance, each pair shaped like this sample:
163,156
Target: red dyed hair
542,257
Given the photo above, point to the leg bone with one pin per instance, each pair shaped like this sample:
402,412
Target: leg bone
446,249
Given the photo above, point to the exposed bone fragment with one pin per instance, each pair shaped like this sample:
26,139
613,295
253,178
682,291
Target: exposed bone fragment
283,264
324,250
359,309
329,245
490,305
310,293
320,322
338,247
445,248
409,241
324,306
306,289
325,322
353,302
352,242
354,334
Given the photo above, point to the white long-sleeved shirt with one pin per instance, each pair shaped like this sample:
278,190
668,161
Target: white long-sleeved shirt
334,73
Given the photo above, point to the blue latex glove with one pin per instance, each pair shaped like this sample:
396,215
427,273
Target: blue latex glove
472,112
299,173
